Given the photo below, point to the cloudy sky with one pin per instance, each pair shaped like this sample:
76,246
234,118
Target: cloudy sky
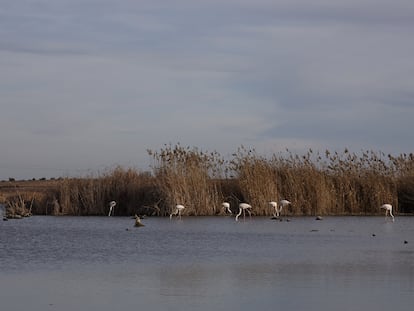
89,84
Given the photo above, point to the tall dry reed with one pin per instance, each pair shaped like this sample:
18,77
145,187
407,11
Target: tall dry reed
328,183
186,176
257,180
133,191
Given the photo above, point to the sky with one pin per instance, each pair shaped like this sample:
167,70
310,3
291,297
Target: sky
87,85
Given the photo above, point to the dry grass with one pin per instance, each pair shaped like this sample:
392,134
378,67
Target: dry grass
133,191
22,198
330,183
185,176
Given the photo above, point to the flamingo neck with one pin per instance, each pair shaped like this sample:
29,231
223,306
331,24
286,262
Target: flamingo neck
237,216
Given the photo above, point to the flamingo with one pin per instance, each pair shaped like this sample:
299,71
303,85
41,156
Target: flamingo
177,211
388,210
278,208
225,206
273,205
243,207
111,207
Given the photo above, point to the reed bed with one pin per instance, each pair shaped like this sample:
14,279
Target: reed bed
24,199
133,191
186,176
328,183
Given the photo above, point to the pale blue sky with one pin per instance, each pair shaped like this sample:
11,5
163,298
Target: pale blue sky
89,84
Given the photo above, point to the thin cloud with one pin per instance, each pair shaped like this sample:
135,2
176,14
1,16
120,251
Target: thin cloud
89,84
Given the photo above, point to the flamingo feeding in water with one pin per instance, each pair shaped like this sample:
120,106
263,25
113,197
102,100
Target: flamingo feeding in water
388,210
278,207
111,207
273,204
177,211
243,207
225,206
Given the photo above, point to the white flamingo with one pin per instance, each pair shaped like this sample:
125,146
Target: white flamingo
273,204
388,210
243,207
278,207
177,211
111,207
283,203
225,206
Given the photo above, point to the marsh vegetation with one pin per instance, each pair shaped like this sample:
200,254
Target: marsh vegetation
328,183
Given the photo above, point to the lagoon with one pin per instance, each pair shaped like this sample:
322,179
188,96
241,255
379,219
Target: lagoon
207,263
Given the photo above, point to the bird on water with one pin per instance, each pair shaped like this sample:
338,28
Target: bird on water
111,208
177,211
278,207
225,206
138,222
243,207
388,210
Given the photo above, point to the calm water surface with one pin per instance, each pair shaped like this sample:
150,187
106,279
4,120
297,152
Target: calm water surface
206,263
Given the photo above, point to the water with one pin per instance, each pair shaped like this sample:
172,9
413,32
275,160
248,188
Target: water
206,263
2,210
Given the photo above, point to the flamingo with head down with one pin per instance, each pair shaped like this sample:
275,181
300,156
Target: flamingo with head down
177,211
388,210
278,207
243,207
225,206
